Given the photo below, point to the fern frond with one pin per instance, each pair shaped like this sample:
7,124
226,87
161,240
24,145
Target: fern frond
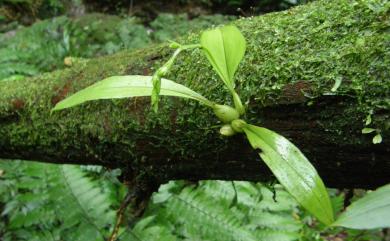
204,212
84,204
276,235
217,222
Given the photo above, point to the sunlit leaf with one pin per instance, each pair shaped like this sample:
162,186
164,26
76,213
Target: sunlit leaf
371,211
337,84
293,171
367,130
224,48
377,139
368,120
129,86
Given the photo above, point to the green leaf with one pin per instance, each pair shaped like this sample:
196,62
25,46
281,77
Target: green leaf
129,86
293,171
368,120
377,139
337,84
367,130
371,211
224,48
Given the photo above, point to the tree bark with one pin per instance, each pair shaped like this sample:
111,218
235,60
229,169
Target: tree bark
293,60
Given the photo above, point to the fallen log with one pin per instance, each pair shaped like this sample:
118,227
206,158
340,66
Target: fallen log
316,74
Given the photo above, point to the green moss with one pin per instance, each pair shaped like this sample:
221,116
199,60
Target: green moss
317,44
313,44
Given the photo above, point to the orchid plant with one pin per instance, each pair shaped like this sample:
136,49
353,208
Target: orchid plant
224,47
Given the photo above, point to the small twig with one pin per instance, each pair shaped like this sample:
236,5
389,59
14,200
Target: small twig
119,216
348,197
235,197
385,232
130,12
356,238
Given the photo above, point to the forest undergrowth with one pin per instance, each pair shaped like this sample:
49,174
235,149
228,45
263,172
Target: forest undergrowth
66,202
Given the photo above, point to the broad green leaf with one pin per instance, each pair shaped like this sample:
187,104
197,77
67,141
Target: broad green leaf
293,171
129,86
371,211
367,130
377,139
224,48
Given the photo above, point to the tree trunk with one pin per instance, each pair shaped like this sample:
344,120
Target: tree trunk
292,62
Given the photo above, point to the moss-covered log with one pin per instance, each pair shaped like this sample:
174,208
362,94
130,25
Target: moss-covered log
294,58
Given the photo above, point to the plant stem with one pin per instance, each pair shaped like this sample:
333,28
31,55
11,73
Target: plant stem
190,46
119,216
164,70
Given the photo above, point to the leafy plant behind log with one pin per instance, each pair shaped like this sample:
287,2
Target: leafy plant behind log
224,48
68,202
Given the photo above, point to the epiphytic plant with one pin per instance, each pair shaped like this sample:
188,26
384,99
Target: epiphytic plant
225,47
